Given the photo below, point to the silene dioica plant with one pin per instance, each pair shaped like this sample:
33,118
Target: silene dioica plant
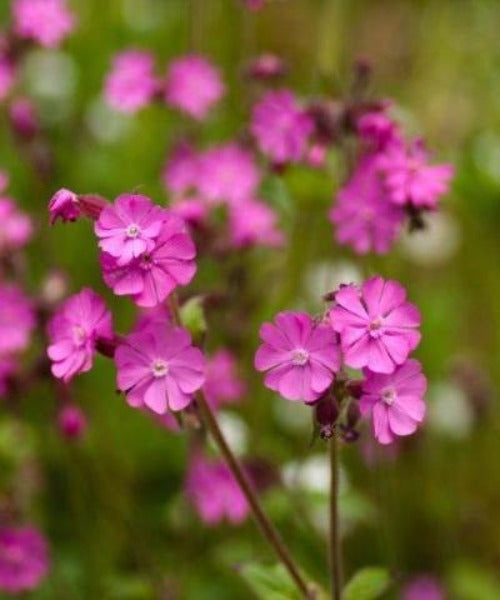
351,360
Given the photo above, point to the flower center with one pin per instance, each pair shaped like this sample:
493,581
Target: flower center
375,327
79,335
133,230
388,396
300,357
159,368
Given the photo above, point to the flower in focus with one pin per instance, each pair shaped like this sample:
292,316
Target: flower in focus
394,400
16,227
129,227
408,177
254,223
24,559
7,76
423,587
281,127
364,217
223,385
150,278
193,85
17,319
64,205
47,22
214,493
228,173
131,84
377,327
300,356
180,174
78,324
159,368
72,421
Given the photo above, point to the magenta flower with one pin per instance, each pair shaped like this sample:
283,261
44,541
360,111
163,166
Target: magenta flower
23,117
159,368
64,205
150,278
128,228
75,329
253,223
180,174
17,319
192,211
47,22
281,127
214,493
377,129
7,76
300,356
266,67
409,178
423,587
193,85
72,421
131,84
16,227
228,173
24,559
223,384
377,327
394,400
364,217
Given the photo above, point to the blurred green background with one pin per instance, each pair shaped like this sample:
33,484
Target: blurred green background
113,506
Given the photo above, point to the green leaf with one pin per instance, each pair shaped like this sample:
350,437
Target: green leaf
270,582
468,581
193,316
367,584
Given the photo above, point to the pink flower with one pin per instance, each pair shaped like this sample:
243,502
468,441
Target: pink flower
75,329
47,22
159,368
377,129
300,356
64,205
223,384
24,559
180,174
17,319
150,278
8,368
193,85
23,116
228,173
16,227
7,76
409,178
214,493
191,210
364,216
395,400
377,327
266,67
72,421
254,223
423,587
281,127
131,84
128,228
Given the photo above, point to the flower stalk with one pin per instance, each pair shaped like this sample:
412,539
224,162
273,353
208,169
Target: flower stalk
335,543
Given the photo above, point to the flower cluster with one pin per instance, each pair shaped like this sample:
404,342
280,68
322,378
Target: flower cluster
370,327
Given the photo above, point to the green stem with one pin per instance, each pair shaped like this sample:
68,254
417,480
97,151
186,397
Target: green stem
335,544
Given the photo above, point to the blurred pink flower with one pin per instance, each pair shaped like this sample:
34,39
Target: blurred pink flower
7,76
72,421
24,559
408,177
150,278
281,127
300,356
47,22
74,330
423,587
131,83
254,223
129,227
214,493
377,129
266,66
64,205
16,227
180,174
23,116
193,85
17,319
364,217
192,210
377,327
227,173
159,368
394,400
223,383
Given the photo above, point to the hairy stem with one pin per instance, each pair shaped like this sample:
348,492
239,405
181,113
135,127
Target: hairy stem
335,545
